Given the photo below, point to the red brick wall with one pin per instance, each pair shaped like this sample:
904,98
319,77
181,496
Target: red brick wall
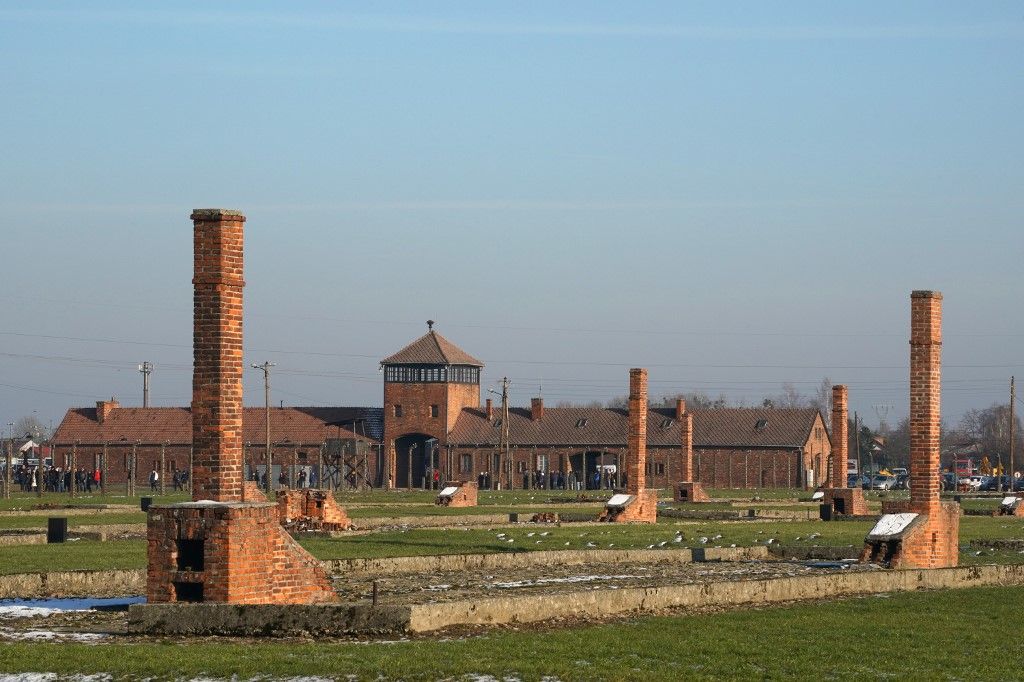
840,436
217,355
636,457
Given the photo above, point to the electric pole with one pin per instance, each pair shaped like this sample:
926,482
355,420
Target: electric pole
1013,424
856,435
146,368
266,401
503,439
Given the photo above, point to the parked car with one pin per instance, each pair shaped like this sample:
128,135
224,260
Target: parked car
902,482
883,482
995,483
899,471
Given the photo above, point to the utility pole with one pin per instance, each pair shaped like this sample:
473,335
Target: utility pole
1013,424
146,368
856,435
266,401
503,439
505,434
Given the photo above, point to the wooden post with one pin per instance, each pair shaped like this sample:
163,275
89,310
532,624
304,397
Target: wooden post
9,462
103,470
163,468
71,468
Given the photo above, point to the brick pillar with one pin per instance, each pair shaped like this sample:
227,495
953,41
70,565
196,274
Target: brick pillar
925,390
217,356
686,424
636,459
840,437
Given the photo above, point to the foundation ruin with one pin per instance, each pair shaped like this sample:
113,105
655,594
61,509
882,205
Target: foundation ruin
458,494
923,533
840,499
227,544
637,503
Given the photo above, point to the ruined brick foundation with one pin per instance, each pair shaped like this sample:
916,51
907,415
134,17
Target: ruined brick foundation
689,491
310,509
233,552
847,501
465,495
642,509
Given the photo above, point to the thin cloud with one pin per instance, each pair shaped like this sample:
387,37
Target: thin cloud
410,24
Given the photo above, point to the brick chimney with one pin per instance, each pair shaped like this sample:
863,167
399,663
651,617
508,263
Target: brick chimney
686,424
680,411
104,408
840,437
490,410
925,392
636,462
536,409
217,355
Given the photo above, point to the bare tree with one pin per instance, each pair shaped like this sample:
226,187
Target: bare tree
30,426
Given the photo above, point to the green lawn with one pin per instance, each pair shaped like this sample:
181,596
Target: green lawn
26,501
39,521
73,556
940,635
419,542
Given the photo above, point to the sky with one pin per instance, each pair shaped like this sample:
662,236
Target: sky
733,195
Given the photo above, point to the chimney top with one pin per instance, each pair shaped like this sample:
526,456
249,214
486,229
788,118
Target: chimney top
536,409
204,214
925,293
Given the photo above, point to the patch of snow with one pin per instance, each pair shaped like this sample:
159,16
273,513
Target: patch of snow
892,524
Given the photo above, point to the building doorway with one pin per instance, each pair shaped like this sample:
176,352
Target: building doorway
594,469
416,460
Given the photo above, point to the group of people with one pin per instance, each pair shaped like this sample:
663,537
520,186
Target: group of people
303,479
54,479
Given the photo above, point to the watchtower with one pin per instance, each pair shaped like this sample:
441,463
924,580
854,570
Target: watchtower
426,386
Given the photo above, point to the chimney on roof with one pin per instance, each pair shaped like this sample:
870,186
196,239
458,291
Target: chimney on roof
536,409
490,410
104,408
680,411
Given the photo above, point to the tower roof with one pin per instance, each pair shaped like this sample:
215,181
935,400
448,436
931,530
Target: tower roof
431,349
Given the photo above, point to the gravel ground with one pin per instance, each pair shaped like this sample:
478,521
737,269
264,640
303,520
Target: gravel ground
104,626
427,588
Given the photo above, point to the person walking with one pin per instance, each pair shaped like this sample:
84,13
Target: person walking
154,479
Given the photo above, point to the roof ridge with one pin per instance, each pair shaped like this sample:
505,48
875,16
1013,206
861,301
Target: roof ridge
433,336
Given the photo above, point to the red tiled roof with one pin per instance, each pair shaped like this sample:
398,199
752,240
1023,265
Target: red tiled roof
727,428
174,424
431,349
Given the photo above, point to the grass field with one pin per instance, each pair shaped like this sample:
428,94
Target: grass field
941,635
421,542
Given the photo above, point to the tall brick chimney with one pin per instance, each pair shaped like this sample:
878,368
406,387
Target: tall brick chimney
536,409
680,410
490,410
925,397
686,425
636,462
840,437
217,355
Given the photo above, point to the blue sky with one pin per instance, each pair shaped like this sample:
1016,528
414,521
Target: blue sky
734,195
